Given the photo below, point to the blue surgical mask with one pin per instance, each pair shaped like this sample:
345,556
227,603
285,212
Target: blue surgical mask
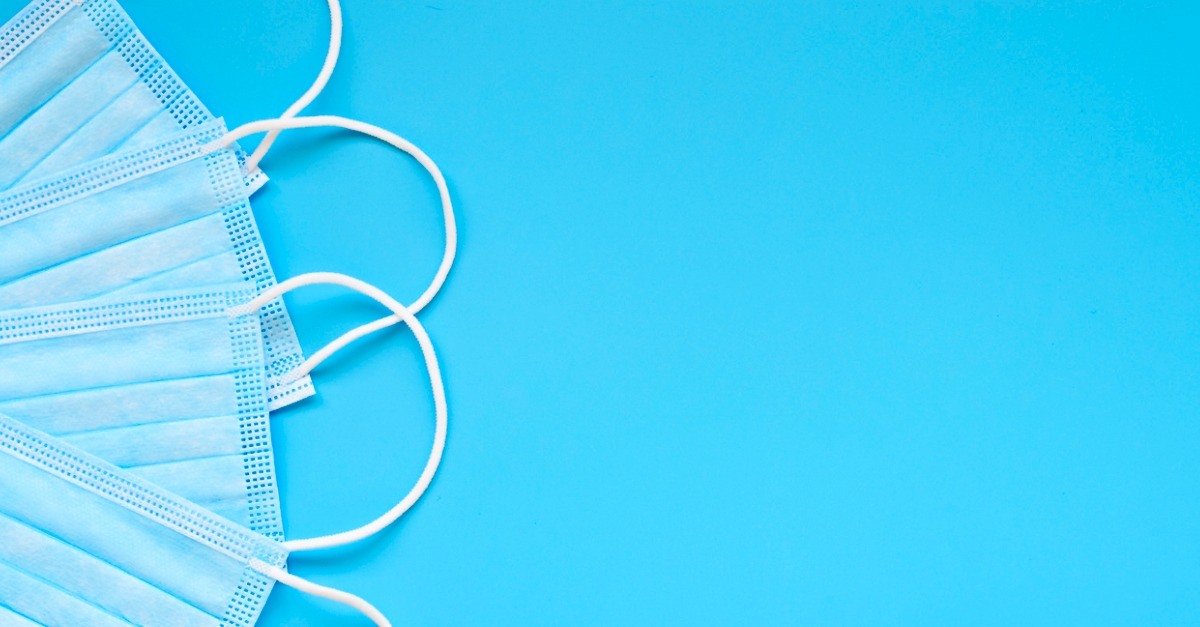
172,216
80,81
168,386
87,543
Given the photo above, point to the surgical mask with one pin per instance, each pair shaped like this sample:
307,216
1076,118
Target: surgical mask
80,81
166,385
170,387
57,58
172,216
86,543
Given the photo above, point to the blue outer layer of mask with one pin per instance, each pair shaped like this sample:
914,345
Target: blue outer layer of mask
86,543
168,386
79,81
172,216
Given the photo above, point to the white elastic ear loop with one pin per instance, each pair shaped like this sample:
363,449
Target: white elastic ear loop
337,596
435,380
331,59
451,227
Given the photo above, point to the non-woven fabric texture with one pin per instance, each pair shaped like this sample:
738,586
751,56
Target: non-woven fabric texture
168,386
78,81
87,543
172,216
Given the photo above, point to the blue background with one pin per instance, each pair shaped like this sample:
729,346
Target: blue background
765,314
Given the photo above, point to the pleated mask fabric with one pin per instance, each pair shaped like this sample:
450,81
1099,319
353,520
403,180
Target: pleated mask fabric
168,386
173,216
159,396
86,543
80,81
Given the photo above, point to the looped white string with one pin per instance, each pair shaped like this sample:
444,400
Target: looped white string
337,596
331,59
451,227
435,380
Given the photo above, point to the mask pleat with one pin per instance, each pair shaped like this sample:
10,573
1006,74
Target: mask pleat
95,222
223,492
158,127
163,442
112,591
126,405
119,536
104,133
105,358
224,478
9,618
236,510
54,122
48,604
46,65
119,267
219,268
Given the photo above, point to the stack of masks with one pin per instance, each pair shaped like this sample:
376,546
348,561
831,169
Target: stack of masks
144,340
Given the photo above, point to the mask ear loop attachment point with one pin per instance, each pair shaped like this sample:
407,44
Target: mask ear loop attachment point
386,136
437,386
332,594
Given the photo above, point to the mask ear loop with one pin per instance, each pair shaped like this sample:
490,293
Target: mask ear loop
384,135
335,595
435,379
331,59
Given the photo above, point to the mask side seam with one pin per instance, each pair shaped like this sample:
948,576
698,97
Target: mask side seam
282,347
247,603
258,460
